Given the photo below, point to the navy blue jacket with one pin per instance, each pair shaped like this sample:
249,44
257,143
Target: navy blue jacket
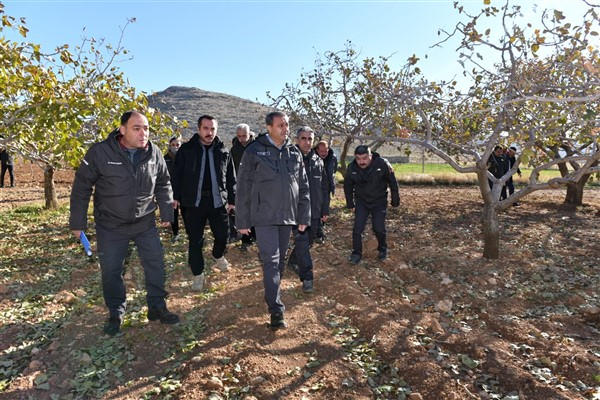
272,186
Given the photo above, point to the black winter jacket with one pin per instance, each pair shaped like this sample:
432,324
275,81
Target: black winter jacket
170,162
188,166
369,186
315,171
331,165
498,165
123,195
272,186
237,151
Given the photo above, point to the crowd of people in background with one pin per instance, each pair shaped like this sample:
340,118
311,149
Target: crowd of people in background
263,189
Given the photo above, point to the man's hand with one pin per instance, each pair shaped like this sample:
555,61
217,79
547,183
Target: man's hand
77,234
302,227
230,208
244,231
324,218
175,204
165,224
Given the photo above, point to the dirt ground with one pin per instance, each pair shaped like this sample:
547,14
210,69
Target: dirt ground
433,321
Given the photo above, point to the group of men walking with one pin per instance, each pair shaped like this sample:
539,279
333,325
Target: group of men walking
264,188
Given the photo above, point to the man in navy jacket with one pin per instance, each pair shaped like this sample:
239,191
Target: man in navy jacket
272,197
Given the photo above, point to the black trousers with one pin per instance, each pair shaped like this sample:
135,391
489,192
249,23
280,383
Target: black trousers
11,174
195,219
112,250
301,252
361,214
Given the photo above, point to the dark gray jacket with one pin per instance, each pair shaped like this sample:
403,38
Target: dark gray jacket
331,165
315,170
272,186
123,195
189,163
369,186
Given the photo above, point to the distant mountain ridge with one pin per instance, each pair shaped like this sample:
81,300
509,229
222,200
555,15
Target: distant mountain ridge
188,103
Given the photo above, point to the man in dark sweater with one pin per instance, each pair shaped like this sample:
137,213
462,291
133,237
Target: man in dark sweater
365,187
243,137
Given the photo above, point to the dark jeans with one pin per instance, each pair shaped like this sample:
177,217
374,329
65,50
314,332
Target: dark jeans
273,241
195,221
361,214
301,252
11,174
112,250
320,229
175,223
511,186
232,228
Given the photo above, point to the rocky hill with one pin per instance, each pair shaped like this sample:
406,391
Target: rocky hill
188,103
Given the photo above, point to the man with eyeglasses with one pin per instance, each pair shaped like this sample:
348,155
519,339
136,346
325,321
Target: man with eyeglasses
300,259
365,187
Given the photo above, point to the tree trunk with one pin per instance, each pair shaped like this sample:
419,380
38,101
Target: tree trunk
574,195
491,232
49,189
343,155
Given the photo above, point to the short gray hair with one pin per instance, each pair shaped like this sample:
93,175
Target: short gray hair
304,129
244,127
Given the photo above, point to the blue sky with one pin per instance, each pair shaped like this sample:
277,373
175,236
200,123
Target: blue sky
246,48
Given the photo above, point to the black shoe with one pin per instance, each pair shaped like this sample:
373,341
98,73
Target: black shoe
112,326
244,246
165,316
516,204
320,239
382,255
277,322
307,286
354,259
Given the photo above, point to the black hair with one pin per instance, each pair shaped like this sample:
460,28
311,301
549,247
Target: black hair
270,116
362,149
125,117
513,148
209,117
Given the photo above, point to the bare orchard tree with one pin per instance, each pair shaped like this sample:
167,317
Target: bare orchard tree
338,98
504,105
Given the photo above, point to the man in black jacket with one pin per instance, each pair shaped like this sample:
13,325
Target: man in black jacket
510,156
7,162
174,145
272,197
300,259
204,186
243,137
498,166
330,160
365,187
128,177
